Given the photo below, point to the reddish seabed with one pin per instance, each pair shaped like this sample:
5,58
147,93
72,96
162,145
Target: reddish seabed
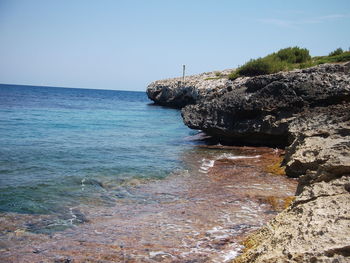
198,215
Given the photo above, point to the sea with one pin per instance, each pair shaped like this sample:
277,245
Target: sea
60,147
107,176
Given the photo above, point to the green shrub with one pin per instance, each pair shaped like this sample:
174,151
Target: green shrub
308,64
343,57
233,75
212,78
294,55
336,52
286,59
260,66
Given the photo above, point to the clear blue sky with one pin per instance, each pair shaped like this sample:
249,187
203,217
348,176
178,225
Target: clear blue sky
127,44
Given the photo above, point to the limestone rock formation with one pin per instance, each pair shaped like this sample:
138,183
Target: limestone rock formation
178,93
258,110
316,227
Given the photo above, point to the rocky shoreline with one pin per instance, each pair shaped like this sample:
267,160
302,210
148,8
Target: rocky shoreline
308,112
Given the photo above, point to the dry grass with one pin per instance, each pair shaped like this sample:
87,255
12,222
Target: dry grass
274,201
253,241
279,203
288,201
275,167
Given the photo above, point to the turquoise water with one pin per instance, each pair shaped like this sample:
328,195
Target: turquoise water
62,147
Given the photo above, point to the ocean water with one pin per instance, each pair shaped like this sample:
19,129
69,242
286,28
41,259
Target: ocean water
61,147
90,175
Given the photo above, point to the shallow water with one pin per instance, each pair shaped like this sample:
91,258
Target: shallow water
190,215
102,176
63,147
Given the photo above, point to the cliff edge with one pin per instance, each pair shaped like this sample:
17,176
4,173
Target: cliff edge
177,93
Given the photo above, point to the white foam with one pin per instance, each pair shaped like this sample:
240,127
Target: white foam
215,229
206,165
249,187
74,217
197,137
231,254
82,184
161,253
235,157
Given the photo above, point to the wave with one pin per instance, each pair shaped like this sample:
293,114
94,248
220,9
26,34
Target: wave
206,164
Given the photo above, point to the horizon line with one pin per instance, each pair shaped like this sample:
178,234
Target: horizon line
61,87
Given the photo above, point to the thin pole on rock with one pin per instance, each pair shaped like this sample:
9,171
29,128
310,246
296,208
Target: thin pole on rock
183,73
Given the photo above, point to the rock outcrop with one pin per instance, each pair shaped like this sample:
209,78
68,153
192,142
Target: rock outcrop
258,110
316,227
308,111
178,93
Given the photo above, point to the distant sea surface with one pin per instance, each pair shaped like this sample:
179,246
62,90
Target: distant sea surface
60,147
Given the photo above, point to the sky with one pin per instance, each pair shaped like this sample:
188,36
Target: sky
126,44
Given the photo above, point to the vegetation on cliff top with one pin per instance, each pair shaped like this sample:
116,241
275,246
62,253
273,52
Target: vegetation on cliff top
287,59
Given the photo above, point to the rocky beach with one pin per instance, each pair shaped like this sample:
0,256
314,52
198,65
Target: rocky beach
175,131
305,111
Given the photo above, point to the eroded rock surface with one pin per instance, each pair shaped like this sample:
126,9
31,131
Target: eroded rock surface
258,110
321,147
316,228
178,93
